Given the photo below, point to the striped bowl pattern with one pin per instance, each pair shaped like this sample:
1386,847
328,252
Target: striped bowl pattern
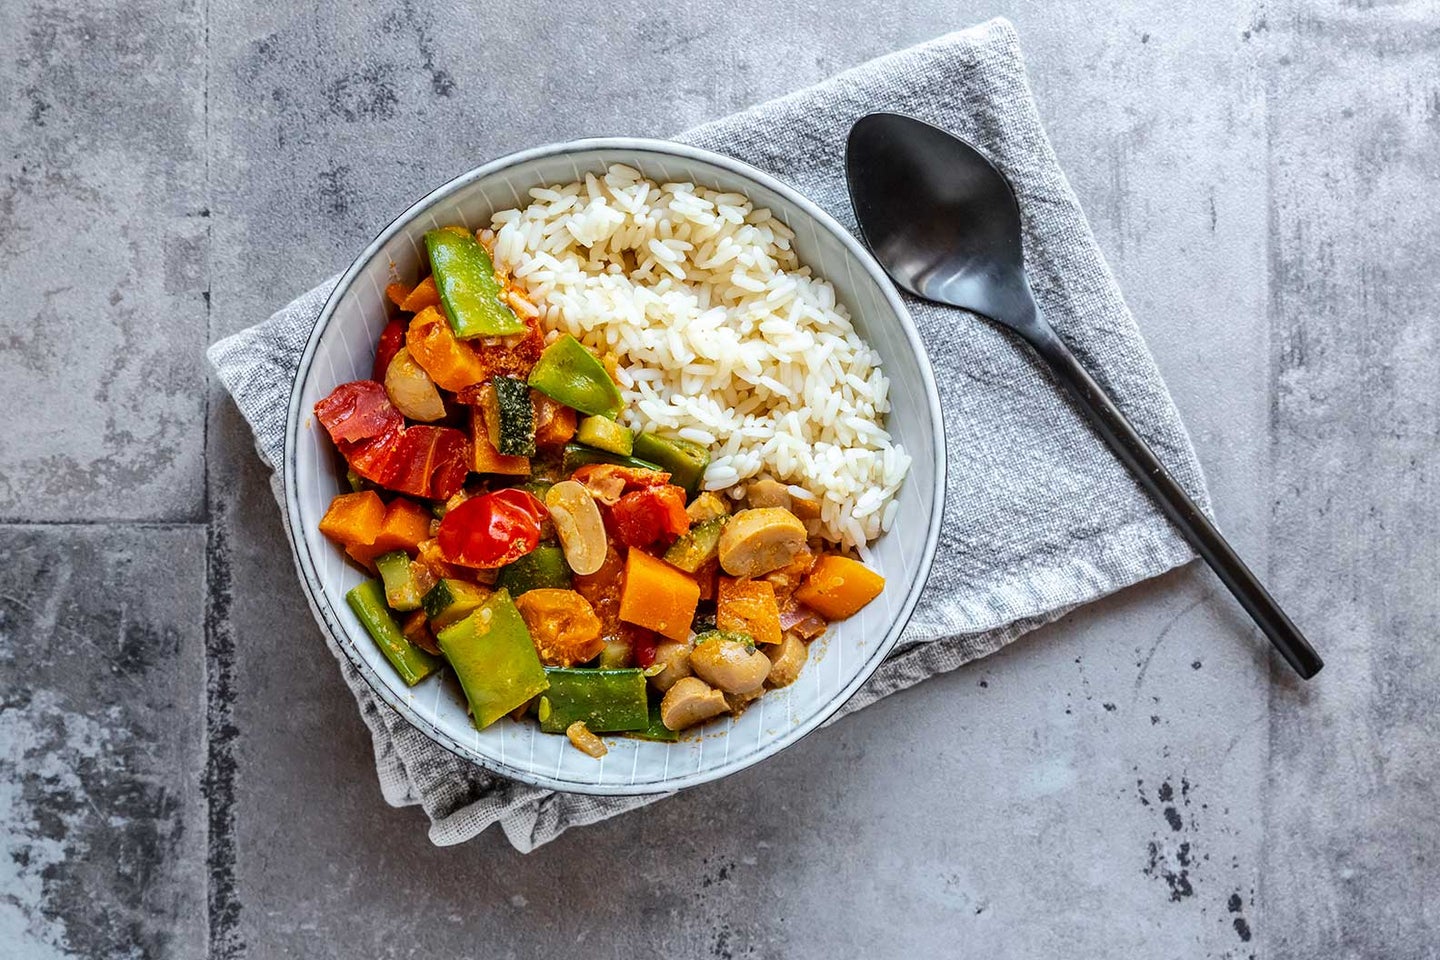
342,349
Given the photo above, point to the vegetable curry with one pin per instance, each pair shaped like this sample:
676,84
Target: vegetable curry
568,569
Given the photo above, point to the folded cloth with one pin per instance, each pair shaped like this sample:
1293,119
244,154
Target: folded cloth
1039,516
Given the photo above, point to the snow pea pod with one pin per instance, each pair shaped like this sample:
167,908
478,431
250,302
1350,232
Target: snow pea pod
469,290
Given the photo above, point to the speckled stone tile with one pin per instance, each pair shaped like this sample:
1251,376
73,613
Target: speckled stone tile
1353,829
101,742
182,772
103,231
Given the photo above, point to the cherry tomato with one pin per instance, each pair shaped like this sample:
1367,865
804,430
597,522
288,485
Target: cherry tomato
392,338
644,516
491,530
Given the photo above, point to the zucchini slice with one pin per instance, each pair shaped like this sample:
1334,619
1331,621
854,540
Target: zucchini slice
405,581
516,418
540,568
451,601
602,433
691,551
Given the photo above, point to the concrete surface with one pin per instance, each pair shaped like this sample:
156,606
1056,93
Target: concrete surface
181,771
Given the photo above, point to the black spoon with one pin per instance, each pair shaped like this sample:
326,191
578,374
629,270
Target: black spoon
944,223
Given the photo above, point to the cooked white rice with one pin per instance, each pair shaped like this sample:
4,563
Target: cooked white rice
722,336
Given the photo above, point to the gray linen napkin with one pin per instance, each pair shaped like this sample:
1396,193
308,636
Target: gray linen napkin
1039,516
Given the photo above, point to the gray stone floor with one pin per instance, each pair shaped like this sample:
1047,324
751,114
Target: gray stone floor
181,770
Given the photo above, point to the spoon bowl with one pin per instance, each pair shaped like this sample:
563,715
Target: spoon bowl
938,215
945,223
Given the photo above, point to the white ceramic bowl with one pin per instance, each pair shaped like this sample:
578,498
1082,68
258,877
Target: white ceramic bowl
342,349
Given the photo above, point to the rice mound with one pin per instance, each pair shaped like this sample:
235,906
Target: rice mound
721,335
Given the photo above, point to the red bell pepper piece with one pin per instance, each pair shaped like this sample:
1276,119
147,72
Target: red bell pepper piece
642,645
358,411
429,462
365,426
374,458
492,530
607,482
392,338
644,516
420,460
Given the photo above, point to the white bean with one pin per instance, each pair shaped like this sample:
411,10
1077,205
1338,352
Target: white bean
578,524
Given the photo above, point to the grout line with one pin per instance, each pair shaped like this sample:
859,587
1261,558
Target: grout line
222,899
221,734
19,522
1261,62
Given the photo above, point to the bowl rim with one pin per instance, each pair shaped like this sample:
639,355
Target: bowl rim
321,601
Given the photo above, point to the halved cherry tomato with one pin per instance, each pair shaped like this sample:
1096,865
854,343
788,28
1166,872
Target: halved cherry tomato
392,338
644,516
429,462
491,530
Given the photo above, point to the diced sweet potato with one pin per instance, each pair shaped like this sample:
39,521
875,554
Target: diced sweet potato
424,295
554,422
748,606
406,523
451,363
354,519
487,458
363,554
838,587
657,596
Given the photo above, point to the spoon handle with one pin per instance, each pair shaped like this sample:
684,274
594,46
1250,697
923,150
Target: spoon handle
1174,502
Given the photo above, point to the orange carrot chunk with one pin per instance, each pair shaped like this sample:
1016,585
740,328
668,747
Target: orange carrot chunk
838,587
